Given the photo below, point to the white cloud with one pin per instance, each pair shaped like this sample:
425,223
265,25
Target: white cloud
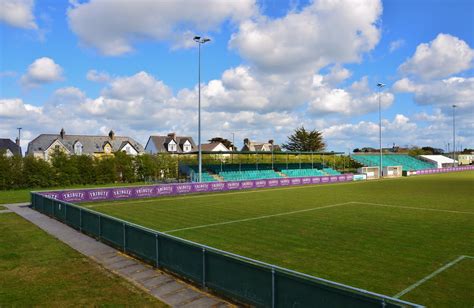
322,33
100,23
41,71
442,93
394,45
18,13
15,108
356,100
336,75
442,57
96,76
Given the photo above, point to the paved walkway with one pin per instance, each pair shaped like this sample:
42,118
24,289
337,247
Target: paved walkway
163,286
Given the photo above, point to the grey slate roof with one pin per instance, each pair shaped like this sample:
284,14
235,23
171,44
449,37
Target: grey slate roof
253,146
90,144
161,143
7,144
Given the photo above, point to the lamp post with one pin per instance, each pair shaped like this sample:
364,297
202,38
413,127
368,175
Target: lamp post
200,41
454,136
380,86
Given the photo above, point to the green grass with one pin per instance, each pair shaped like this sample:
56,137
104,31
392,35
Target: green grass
455,281
23,195
38,270
379,248
2,208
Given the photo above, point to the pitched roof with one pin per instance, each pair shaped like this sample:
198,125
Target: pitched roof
161,143
211,146
260,146
7,144
90,144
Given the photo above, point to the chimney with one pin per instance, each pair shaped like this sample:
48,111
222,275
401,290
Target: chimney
172,136
111,135
17,141
62,133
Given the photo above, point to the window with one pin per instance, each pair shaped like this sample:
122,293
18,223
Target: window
78,148
172,147
187,146
107,149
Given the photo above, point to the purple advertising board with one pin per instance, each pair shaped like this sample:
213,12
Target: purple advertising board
152,191
444,170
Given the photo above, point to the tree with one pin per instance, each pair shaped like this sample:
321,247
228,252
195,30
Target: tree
228,144
416,151
303,140
432,151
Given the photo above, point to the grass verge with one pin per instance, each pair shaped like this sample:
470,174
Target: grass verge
38,270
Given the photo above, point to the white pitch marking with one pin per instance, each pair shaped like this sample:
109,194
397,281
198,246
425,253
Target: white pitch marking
414,208
433,274
258,217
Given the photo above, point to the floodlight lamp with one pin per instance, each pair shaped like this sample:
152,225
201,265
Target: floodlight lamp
197,39
380,85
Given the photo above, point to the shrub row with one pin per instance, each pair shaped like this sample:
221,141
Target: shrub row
63,170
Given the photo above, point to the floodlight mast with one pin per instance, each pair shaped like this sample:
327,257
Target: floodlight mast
380,86
200,41
454,136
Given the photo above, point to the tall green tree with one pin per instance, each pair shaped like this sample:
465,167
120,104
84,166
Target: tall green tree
303,140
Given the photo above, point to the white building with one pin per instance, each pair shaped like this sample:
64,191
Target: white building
440,160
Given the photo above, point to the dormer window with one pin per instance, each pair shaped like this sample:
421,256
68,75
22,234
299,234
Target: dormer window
172,146
78,148
107,148
187,146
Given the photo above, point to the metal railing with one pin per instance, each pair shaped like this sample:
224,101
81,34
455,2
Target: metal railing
237,277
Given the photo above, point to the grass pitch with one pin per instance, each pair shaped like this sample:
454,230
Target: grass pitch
383,236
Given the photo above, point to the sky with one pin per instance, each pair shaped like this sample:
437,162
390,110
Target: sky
271,66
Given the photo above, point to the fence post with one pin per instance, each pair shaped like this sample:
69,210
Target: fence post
156,249
124,238
203,267
273,288
100,227
383,303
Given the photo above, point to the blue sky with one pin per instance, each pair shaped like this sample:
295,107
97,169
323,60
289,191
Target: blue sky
92,66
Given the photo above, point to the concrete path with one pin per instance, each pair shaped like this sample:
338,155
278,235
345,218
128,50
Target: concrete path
163,286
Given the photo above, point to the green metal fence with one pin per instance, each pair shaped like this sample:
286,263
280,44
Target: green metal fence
237,277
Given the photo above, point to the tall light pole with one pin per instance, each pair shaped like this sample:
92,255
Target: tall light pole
200,41
380,86
454,136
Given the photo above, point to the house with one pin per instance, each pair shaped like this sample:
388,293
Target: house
170,144
253,146
10,148
214,147
45,144
465,159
